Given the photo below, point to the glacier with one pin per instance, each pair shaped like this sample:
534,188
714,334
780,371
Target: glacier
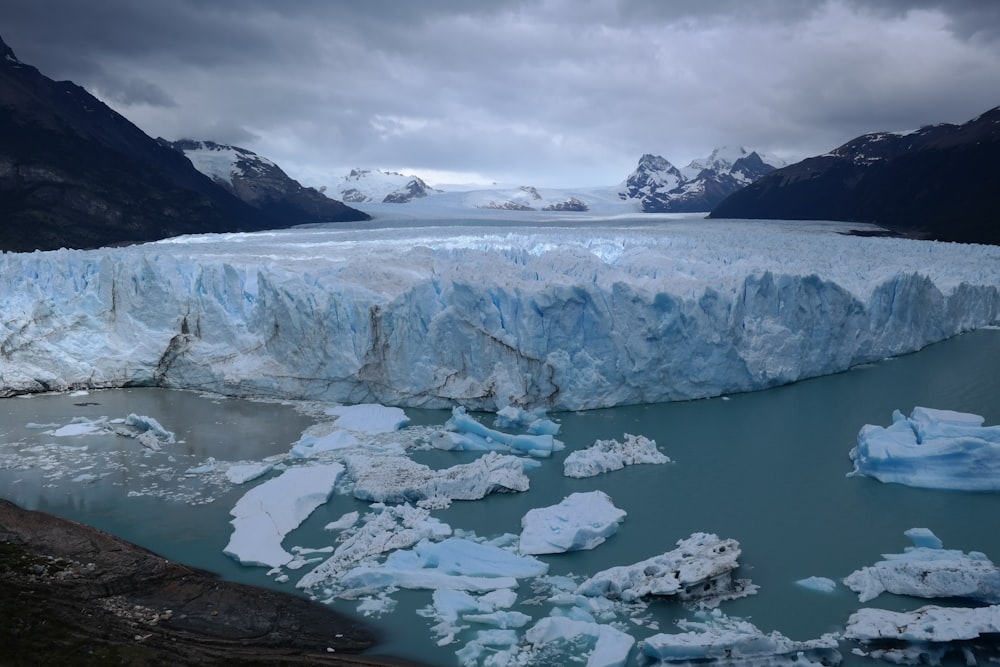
554,313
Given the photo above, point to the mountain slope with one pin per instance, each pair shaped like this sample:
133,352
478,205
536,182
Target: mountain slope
660,187
939,182
74,173
262,184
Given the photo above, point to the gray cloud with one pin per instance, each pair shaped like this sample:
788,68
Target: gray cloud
534,91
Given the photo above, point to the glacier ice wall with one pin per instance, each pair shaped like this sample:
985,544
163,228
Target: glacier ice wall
565,318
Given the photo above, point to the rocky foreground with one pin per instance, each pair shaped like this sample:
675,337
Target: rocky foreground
72,594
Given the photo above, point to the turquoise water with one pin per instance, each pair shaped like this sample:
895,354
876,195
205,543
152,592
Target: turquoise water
767,469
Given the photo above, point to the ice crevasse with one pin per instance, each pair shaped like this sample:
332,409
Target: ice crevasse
563,319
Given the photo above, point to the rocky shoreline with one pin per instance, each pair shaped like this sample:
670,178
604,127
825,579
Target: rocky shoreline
74,595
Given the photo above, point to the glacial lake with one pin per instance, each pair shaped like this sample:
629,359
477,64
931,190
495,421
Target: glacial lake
766,468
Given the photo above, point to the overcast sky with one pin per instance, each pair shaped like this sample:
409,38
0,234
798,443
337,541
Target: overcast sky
533,92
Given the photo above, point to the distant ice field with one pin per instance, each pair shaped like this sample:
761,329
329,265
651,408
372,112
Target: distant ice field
561,311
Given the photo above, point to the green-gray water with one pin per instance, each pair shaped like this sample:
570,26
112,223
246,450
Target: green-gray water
767,468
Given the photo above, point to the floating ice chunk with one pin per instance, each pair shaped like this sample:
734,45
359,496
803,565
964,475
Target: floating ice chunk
609,647
370,418
608,455
923,537
81,426
926,624
241,473
489,648
149,425
207,466
929,572
700,568
455,563
928,634
819,584
386,528
580,521
268,512
310,445
533,421
717,638
399,479
465,433
935,449
345,521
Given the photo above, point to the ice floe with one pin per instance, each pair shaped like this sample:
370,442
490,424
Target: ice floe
819,584
935,449
714,638
463,432
269,511
607,455
370,418
605,645
699,569
579,521
454,563
382,530
924,636
929,571
399,479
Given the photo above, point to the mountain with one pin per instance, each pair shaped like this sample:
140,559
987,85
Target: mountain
939,182
74,173
262,184
389,187
660,187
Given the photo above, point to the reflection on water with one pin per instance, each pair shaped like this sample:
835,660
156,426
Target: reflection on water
767,469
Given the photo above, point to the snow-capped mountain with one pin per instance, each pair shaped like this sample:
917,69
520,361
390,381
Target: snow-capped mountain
939,182
374,185
660,187
261,183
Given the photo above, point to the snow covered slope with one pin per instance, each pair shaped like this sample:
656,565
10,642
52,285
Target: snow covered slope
598,313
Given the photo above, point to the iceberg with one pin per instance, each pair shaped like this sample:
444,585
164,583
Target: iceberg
465,433
580,521
613,312
310,445
714,638
607,455
269,511
934,449
454,563
608,646
370,418
399,479
924,636
385,529
926,570
699,570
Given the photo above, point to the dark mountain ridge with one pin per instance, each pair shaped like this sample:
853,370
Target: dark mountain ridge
940,182
74,173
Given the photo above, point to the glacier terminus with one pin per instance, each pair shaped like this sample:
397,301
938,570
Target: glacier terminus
548,314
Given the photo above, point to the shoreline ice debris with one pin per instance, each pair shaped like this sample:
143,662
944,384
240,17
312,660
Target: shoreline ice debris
269,511
934,449
926,635
463,432
580,521
608,455
926,570
455,563
399,479
714,638
699,570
